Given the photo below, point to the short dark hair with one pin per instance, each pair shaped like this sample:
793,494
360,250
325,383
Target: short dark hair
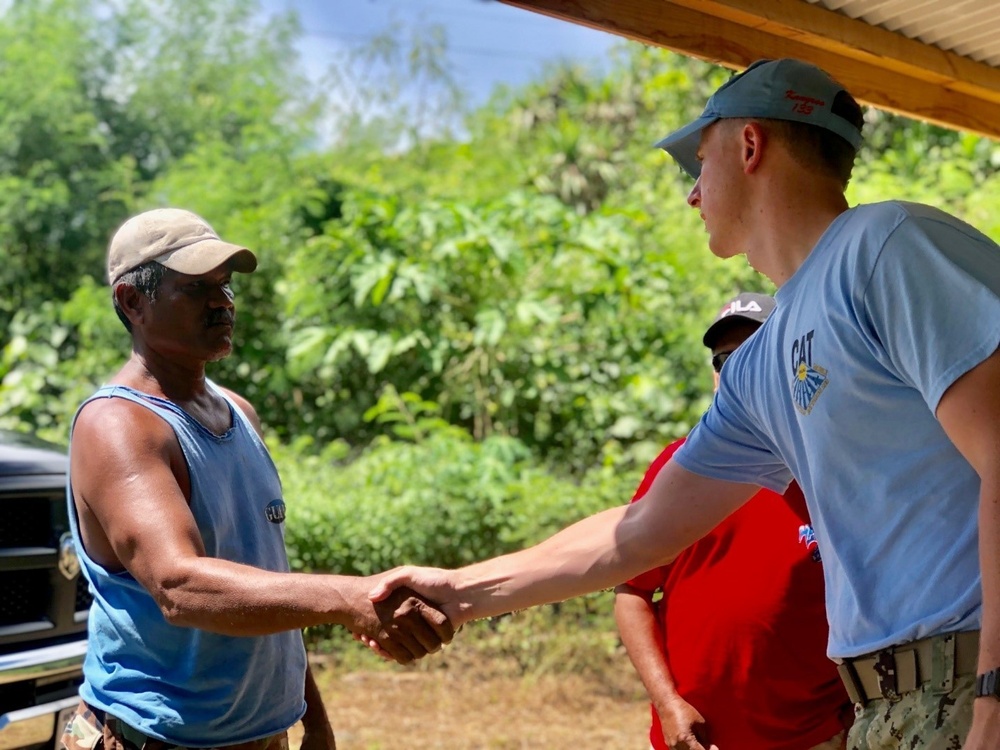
812,145
145,278
816,147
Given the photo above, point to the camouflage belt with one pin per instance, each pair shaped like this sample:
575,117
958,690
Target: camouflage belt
896,670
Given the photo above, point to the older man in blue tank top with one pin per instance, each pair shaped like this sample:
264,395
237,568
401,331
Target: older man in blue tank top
177,511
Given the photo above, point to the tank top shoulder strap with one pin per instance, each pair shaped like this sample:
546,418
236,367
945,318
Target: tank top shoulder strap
174,414
160,406
131,394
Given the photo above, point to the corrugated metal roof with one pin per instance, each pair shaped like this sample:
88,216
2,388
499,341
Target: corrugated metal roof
970,28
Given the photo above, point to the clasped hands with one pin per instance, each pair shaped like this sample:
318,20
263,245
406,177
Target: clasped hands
406,627
405,624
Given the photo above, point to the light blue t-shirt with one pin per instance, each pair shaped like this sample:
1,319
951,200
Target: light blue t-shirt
183,685
840,386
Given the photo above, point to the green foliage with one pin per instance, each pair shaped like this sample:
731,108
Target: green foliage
550,301
517,316
532,280
96,101
539,279
57,168
446,501
411,417
573,637
55,355
108,109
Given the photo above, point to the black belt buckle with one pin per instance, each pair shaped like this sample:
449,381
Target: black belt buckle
885,668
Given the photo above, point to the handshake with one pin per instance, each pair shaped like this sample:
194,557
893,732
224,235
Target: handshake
402,624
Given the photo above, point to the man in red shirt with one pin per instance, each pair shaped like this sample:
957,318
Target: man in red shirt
733,654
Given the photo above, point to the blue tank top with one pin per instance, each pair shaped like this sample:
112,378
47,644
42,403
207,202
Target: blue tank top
183,685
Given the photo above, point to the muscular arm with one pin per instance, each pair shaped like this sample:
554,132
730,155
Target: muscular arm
969,411
130,485
598,552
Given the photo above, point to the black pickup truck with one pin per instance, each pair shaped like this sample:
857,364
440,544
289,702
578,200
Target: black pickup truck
43,597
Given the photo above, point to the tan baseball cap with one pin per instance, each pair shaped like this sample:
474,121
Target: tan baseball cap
178,239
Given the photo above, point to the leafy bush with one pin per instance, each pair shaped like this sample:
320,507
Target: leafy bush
432,503
446,501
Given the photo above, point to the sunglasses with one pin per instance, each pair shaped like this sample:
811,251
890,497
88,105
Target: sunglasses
719,359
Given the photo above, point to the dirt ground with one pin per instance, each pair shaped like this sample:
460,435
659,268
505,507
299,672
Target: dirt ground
455,709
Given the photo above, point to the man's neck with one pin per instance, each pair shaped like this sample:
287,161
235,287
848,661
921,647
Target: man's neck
183,384
790,228
151,373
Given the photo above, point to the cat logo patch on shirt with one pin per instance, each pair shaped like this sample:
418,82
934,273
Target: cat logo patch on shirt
808,379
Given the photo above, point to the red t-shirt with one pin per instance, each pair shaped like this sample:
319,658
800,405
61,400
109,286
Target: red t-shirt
745,629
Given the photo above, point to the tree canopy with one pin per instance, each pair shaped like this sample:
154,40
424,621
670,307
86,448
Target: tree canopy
531,273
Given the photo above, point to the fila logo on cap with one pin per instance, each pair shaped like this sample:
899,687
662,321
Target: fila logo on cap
736,307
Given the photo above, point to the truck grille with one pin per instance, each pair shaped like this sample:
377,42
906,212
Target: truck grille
23,597
38,603
26,523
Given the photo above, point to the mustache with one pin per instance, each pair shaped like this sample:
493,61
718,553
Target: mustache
221,317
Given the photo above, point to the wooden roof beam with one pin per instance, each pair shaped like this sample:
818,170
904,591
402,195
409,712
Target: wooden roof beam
879,67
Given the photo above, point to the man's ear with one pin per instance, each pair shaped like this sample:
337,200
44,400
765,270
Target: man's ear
753,140
131,302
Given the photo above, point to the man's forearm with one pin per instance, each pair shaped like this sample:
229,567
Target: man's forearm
989,563
233,599
603,550
582,558
598,552
986,710
643,640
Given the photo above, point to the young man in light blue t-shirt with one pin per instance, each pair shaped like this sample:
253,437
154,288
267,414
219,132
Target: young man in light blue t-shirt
875,384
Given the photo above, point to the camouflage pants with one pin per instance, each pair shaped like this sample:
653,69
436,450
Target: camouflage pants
921,720
86,731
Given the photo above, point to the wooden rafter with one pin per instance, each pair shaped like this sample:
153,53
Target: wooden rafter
879,67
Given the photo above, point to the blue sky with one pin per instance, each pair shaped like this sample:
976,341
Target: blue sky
488,42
